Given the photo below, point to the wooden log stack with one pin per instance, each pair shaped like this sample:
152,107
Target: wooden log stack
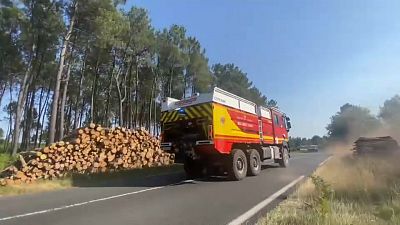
91,149
377,146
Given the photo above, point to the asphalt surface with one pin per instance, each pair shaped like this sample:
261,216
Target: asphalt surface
167,199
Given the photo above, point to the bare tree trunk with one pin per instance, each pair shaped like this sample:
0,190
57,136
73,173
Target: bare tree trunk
94,88
42,107
2,92
54,110
142,108
69,119
81,113
10,123
21,100
76,108
109,91
120,99
24,121
170,83
152,94
46,109
35,139
129,105
63,101
28,121
136,93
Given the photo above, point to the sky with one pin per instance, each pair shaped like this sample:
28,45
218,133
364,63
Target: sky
312,56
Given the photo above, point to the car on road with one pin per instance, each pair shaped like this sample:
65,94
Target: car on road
309,148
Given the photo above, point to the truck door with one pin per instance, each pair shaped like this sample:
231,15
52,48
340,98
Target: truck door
279,125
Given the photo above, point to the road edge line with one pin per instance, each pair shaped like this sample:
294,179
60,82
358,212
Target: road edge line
325,161
250,213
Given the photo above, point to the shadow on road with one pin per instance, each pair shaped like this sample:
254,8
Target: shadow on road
150,177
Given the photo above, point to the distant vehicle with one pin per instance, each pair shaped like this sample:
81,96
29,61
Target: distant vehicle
222,133
309,148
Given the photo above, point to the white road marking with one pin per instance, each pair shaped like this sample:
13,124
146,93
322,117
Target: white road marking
325,161
91,201
247,215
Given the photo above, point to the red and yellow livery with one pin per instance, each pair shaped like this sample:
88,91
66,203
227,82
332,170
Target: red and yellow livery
210,128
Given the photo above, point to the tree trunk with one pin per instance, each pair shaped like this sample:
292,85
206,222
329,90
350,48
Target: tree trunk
21,100
107,116
136,93
40,115
46,109
63,101
69,119
3,91
28,121
152,96
94,88
10,120
117,83
81,113
76,108
54,110
170,83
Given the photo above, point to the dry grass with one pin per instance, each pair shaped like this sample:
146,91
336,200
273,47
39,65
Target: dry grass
39,186
360,192
92,180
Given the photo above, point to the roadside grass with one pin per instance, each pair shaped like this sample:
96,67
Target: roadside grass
39,186
362,191
89,180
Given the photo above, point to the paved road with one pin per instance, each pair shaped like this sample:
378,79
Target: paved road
157,200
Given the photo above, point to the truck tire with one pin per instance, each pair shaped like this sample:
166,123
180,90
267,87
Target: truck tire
284,162
193,168
237,165
254,162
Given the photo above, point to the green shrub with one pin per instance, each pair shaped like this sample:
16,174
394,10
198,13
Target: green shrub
324,195
5,160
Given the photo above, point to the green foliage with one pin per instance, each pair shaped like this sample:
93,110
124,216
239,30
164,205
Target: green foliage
6,160
115,71
352,121
324,195
231,78
272,103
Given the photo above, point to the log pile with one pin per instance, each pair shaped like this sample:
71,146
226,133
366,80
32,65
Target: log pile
375,146
89,150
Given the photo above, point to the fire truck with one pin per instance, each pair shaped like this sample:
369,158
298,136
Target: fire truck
220,133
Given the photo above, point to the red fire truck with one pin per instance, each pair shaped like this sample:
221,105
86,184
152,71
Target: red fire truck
221,133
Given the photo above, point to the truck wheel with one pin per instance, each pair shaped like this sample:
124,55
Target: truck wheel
237,165
254,162
193,168
284,162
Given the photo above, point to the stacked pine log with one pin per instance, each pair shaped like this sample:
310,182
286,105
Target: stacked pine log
89,150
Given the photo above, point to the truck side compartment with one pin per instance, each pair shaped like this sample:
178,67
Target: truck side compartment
232,126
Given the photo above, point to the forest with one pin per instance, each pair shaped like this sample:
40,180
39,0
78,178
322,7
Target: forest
67,63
